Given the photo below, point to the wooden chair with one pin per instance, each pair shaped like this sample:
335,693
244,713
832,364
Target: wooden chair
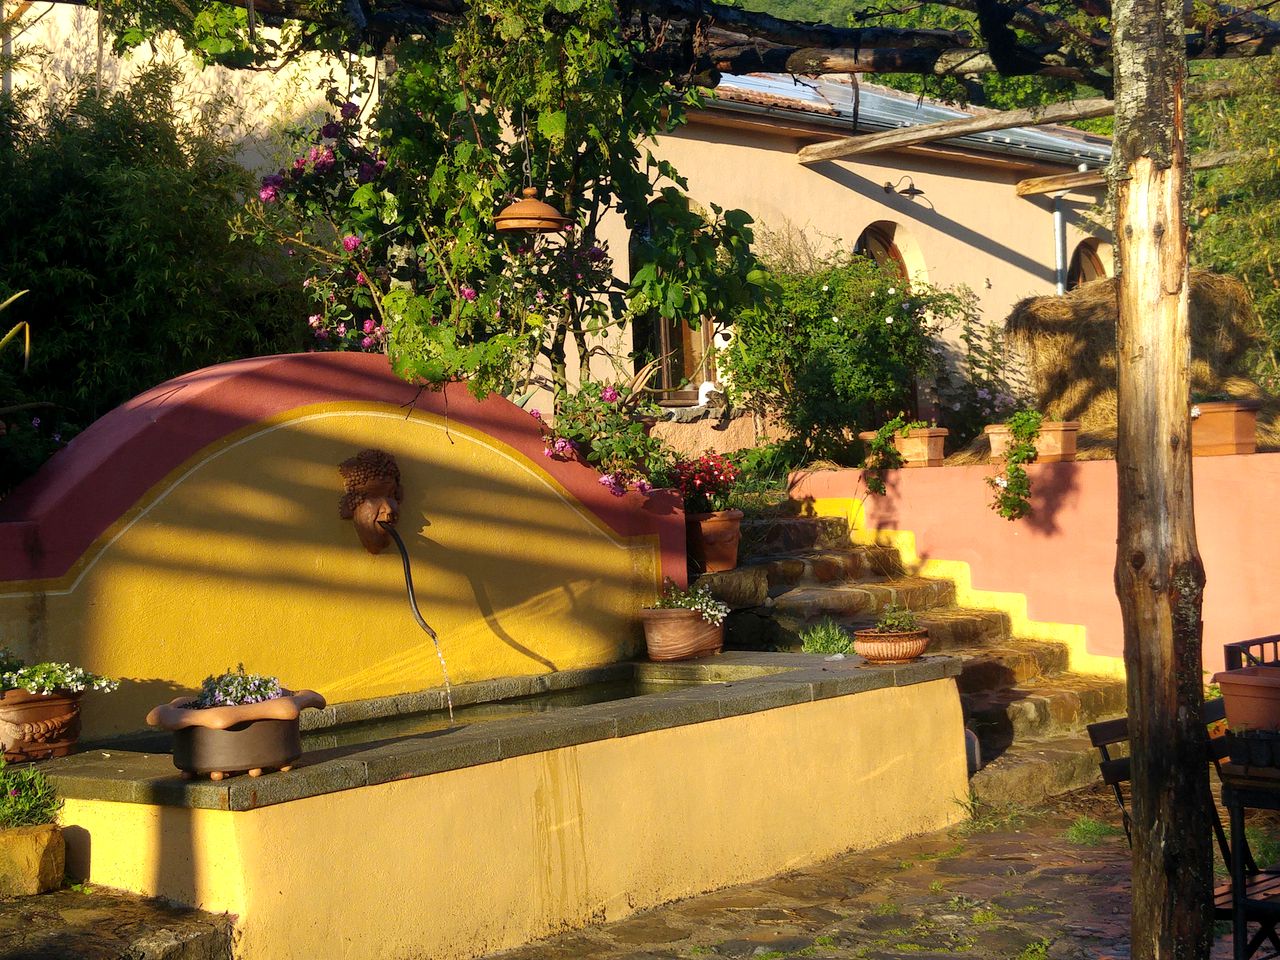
1260,884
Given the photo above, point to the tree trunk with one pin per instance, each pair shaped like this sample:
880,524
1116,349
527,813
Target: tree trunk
1159,577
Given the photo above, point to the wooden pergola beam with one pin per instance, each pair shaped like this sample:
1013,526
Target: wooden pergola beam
1094,178
1002,120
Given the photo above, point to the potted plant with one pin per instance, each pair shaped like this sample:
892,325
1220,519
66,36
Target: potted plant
238,722
903,443
40,707
1221,425
32,851
1251,697
684,624
1012,486
1055,440
896,638
713,529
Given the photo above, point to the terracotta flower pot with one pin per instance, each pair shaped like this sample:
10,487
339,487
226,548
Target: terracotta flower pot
876,646
1251,696
921,447
713,539
680,634
37,726
251,737
1056,443
1224,427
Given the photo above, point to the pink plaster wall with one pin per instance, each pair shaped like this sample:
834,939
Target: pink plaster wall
1061,556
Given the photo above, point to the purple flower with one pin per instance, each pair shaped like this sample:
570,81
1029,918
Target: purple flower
609,395
350,111
536,414
367,342
595,254
322,334
361,279
268,195
468,293
643,485
342,329
369,172
331,130
57,438
314,320
563,447
546,451
369,326
35,421
351,243
616,485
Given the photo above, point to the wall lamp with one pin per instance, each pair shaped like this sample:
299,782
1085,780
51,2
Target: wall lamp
910,191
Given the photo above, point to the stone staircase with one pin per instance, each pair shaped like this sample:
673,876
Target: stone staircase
1019,698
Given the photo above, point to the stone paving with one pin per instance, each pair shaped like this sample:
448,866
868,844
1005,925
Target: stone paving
1017,890
91,924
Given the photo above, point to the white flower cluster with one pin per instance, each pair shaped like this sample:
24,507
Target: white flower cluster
699,599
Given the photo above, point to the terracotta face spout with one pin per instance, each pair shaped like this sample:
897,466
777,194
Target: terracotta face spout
373,494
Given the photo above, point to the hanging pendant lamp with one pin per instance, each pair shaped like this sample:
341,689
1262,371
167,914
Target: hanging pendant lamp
531,215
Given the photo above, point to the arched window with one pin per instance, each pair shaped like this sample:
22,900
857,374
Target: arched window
685,356
879,243
1086,265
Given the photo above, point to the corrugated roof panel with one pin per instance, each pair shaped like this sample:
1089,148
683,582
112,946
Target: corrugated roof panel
880,108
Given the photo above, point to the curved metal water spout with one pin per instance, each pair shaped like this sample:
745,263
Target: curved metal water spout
417,614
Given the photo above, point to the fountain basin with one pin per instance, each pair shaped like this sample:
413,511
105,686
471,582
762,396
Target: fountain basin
455,843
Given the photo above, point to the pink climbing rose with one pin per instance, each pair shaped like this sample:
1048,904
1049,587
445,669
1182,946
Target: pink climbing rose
351,243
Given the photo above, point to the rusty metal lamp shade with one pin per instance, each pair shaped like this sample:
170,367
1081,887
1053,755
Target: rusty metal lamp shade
531,215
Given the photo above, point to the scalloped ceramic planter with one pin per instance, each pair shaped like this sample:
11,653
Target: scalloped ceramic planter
679,634
250,738
876,646
37,726
1056,443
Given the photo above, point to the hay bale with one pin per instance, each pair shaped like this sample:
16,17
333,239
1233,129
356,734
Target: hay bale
1066,347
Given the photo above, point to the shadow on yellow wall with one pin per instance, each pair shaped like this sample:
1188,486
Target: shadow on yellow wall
240,556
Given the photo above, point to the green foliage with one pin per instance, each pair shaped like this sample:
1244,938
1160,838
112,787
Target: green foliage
27,799
826,637
1012,497
117,220
605,425
881,452
835,346
1235,209
896,619
1088,832
983,387
397,221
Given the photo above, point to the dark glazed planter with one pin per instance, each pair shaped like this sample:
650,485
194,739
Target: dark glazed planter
251,737
713,539
37,726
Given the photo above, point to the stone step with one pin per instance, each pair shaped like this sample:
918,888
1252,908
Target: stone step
864,597
1039,709
776,535
1031,770
954,628
992,668
855,562
950,628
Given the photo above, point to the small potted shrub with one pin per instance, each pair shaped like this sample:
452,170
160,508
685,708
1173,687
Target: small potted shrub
900,443
896,638
714,531
684,624
1221,426
1054,440
32,851
40,707
238,722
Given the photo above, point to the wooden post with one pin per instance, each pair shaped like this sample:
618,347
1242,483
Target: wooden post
1159,577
